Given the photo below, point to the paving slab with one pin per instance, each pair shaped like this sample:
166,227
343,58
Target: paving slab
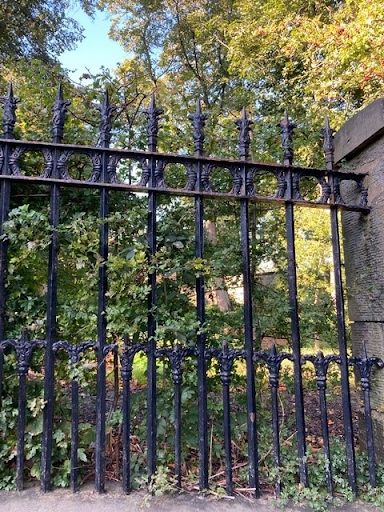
87,500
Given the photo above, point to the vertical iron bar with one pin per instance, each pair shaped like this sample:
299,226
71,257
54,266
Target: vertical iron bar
23,350
198,121
274,368
276,435
325,433
226,365
74,433
152,114
126,435
177,374
244,126
59,110
287,128
370,442
345,389
126,374
340,312
9,104
21,429
106,112
321,367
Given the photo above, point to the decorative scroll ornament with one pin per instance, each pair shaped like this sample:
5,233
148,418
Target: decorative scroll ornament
249,184
192,176
363,193
296,194
153,113
336,190
198,122
237,179
106,118
96,167
9,119
59,110
286,130
14,160
113,162
146,172
281,184
328,144
325,190
159,173
62,164
23,347
244,126
48,163
205,175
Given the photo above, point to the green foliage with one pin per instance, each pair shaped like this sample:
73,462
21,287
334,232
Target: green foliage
34,428
40,28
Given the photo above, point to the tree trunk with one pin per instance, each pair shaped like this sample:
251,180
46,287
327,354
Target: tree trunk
220,294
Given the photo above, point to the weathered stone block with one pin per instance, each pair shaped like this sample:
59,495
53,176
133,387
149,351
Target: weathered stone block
360,142
360,131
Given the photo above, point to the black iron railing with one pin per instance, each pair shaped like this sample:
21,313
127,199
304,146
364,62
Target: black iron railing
196,182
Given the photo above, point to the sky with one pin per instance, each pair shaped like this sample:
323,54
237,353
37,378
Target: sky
95,50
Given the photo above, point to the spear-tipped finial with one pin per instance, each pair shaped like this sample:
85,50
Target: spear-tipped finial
9,119
273,350
198,122
286,131
244,126
328,144
153,113
106,117
59,110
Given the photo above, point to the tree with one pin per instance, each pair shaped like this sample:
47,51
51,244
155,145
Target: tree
38,28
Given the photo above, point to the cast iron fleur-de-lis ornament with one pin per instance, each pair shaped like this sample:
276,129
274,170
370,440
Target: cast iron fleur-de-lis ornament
128,355
74,351
152,113
273,358
9,119
59,109
286,131
365,365
198,122
23,347
106,118
321,364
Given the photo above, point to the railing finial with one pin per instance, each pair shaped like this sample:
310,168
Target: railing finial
244,126
286,130
198,122
9,105
153,113
328,144
106,117
59,110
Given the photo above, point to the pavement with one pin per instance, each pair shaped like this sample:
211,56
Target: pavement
114,500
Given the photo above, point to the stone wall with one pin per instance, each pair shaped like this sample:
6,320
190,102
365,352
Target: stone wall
359,146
